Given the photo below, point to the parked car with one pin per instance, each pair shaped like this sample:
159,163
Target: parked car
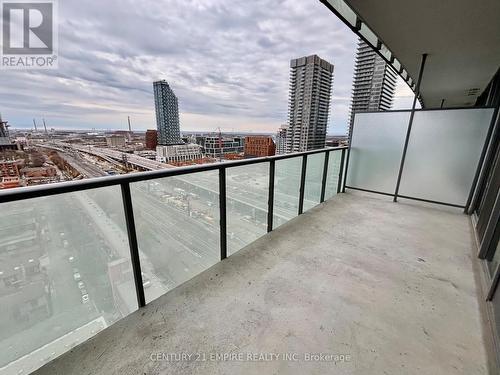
77,276
85,298
81,285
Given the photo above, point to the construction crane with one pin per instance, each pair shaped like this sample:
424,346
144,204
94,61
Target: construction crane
221,152
129,129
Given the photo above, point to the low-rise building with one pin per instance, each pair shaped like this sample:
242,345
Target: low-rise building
11,168
9,182
151,139
256,146
115,141
35,172
24,291
175,153
215,146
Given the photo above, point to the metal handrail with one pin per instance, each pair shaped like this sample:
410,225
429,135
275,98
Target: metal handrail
21,193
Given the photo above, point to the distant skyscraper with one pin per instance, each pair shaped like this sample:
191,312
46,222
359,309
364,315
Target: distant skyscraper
167,114
310,92
374,82
281,139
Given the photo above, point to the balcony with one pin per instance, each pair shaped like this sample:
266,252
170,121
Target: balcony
259,256
356,276
360,260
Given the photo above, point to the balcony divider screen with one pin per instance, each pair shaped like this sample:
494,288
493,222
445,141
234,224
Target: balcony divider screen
376,148
442,156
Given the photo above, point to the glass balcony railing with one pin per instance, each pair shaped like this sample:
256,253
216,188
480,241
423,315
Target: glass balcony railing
78,256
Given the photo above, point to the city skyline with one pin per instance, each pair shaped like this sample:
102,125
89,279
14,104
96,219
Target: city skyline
235,79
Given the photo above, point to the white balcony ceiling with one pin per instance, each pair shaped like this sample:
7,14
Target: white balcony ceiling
462,38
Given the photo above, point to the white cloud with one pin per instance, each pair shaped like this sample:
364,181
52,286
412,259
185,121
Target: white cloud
227,61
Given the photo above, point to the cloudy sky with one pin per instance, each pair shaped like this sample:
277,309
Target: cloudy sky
227,61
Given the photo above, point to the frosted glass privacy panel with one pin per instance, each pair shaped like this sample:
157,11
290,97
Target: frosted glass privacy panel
376,149
443,154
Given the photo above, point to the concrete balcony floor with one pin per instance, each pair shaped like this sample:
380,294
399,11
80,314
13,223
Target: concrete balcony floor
390,285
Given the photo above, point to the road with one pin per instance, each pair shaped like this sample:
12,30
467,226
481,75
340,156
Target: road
63,238
109,154
72,157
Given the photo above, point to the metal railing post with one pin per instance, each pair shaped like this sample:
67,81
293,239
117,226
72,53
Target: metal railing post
325,175
341,173
351,130
270,196
222,214
410,124
132,240
302,184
